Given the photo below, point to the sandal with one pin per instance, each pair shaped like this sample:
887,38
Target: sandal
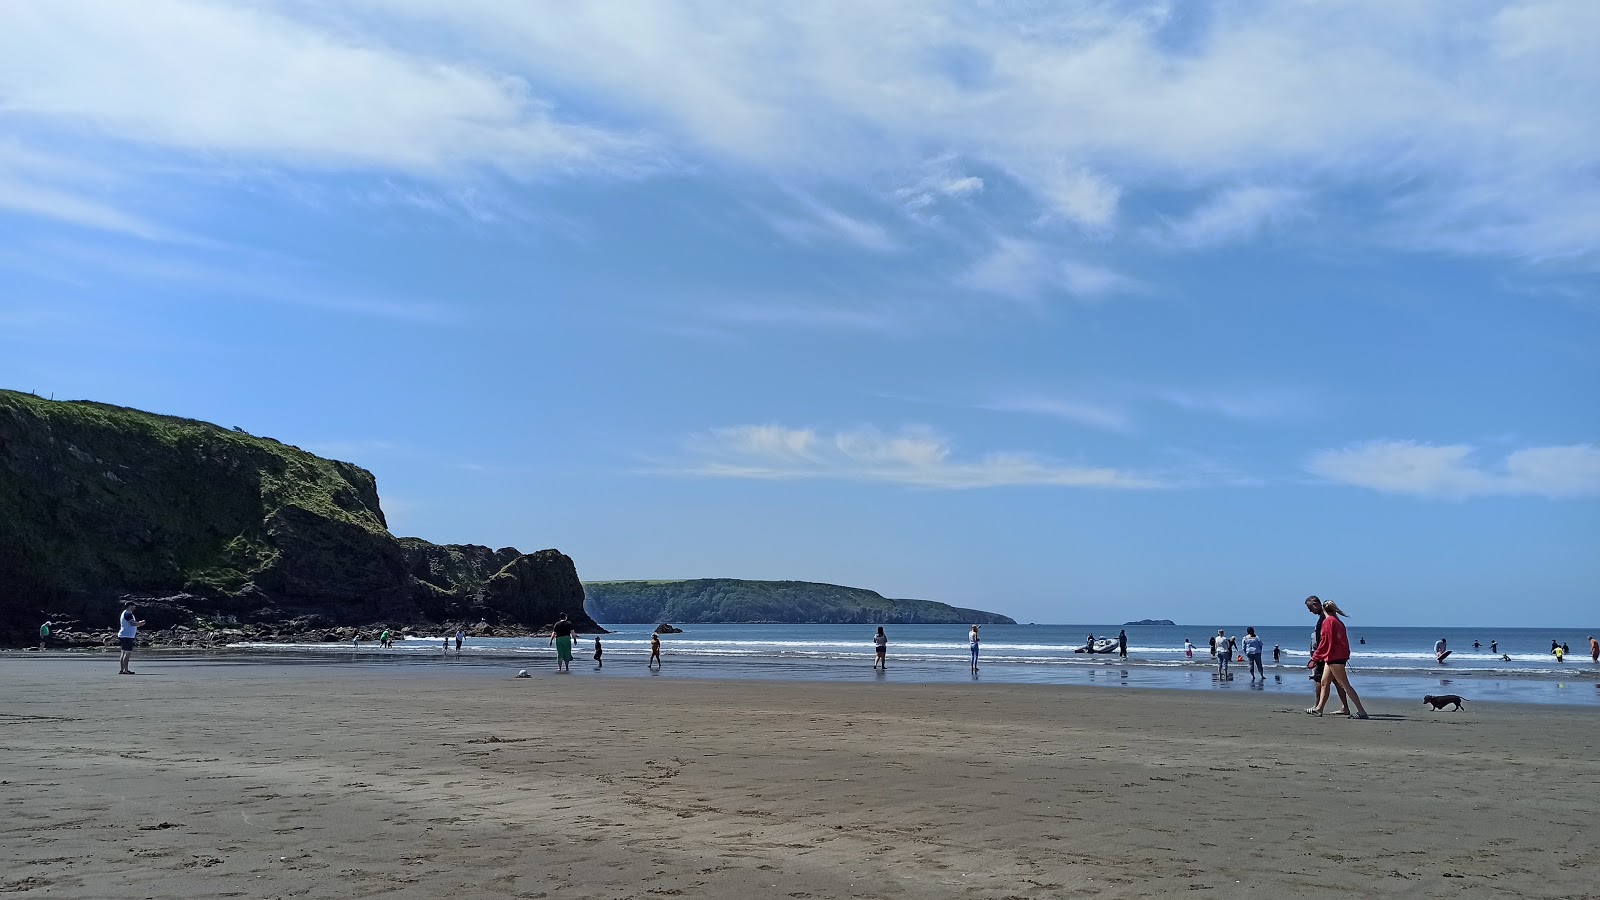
1340,712
1313,711
1361,715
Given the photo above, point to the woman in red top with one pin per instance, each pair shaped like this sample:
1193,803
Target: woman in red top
1333,650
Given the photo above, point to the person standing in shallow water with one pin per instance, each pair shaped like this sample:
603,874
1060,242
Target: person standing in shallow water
655,651
1223,656
880,650
1252,652
599,651
972,638
561,636
1122,643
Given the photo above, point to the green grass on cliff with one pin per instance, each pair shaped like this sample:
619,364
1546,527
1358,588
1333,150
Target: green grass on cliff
292,477
93,494
738,600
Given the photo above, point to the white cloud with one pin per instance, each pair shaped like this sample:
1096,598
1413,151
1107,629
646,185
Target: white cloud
1024,269
1471,124
1233,215
1093,415
1408,467
246,80
913,457
820,221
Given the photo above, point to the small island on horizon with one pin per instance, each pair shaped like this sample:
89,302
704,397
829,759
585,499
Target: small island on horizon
1152,622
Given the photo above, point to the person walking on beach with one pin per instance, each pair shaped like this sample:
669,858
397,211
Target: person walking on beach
599,651
1224,657
655,651
461,635
1252,652
127,633
880,650
972,638
44,635
1188,649
561,636
1122,643
1333,651
1314,606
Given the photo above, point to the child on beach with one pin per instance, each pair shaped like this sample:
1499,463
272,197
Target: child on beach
598,651
880,646
1188,649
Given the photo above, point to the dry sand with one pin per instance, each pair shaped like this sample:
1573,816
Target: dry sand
269,780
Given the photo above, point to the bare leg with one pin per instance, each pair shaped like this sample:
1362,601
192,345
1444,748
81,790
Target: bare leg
1343,681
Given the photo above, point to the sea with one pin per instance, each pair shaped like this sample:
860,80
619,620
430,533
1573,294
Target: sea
1507,665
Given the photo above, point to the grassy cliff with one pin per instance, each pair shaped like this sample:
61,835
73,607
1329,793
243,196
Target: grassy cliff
736,600
97,501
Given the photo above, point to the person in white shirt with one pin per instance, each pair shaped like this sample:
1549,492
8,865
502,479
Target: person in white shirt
126,633
972,638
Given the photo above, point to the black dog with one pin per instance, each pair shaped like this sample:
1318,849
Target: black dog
1444,700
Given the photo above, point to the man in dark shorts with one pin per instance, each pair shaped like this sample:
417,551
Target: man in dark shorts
1314,606
127,633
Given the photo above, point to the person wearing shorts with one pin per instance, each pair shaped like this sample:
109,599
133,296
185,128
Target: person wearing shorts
1314,606
880,648
127,635
1333,650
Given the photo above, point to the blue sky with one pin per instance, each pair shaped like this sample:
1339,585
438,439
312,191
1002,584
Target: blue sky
1076,312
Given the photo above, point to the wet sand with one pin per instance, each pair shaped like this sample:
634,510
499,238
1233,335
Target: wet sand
217,780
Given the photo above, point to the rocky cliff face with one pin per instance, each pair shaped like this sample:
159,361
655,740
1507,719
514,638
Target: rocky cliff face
100,501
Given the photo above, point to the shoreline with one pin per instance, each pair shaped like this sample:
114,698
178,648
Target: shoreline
419,781
1283,683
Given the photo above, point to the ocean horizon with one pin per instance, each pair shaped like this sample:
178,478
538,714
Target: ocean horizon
1393,663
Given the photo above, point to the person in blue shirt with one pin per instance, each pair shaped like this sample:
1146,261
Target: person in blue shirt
1252,653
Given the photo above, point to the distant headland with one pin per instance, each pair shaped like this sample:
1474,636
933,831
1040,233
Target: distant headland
1152,622
728,600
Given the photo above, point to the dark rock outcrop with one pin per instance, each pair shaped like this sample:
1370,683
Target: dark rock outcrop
215,528
664,628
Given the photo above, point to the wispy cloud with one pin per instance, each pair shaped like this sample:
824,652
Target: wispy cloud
914,457
777,313
1024,270
1451,472
818,221
227,272
252,81
1232,215
1464,129
1106,418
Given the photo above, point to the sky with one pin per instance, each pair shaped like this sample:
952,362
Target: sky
1075,312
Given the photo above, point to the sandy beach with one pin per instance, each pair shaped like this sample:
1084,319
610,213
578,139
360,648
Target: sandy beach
222,779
